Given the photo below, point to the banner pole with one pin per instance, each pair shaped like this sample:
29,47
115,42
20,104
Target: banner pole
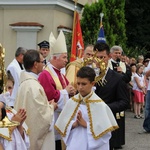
74,20
101,17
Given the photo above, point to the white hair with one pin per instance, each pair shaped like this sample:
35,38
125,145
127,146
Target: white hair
116,48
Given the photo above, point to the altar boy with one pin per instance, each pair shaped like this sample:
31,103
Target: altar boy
86,121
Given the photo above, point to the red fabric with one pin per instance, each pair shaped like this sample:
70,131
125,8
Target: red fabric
77,40
64,82
49,85
138,96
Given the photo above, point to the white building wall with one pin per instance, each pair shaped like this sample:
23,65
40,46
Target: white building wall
50,13
51,19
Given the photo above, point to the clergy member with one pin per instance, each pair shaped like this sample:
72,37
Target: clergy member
32,98
55,84
16,67
73,67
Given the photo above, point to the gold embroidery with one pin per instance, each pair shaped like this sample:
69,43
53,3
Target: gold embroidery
64,134
56,79
87,102
94,101
122,113
7,137
91,124
27,131
117,116
76,100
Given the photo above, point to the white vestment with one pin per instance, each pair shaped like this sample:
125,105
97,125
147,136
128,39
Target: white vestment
62,99
100,122
32,98
6,98
15,70
121,64
16,142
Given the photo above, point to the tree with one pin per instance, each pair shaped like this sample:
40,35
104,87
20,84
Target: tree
113,22
68,37
138,23
90,22
116,22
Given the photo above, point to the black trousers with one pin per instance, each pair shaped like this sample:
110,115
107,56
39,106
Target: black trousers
58,145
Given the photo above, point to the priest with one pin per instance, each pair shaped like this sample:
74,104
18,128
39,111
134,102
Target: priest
55,84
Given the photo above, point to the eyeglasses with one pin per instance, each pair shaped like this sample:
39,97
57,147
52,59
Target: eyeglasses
43,62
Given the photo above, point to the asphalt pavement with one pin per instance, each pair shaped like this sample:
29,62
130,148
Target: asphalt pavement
134,140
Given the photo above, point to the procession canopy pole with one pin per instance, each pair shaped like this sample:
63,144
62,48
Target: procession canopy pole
74,19
101,17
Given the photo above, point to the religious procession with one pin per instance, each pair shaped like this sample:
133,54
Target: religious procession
53,98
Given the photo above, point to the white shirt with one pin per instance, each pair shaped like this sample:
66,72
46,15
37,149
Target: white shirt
17,142
147,69
141,82
87,142
15,70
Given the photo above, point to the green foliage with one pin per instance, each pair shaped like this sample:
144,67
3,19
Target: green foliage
126,23
116,20
113,22
90,22
135,52
68,37
138,23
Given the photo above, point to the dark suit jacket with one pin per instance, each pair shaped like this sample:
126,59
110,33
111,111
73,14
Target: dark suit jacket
127,75
114,93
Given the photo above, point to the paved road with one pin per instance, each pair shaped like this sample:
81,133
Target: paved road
134,140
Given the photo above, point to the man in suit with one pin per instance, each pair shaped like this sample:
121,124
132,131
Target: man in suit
122,68
113,90
117,65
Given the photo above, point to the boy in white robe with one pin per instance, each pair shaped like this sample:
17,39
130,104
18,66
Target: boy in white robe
14,137
86,121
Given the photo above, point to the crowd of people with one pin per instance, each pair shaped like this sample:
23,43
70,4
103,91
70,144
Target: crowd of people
50,104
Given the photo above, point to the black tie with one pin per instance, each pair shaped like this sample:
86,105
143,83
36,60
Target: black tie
45,62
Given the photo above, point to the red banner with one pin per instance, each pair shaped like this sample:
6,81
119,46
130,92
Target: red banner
77,40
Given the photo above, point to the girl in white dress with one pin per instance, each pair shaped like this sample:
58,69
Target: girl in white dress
139,90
